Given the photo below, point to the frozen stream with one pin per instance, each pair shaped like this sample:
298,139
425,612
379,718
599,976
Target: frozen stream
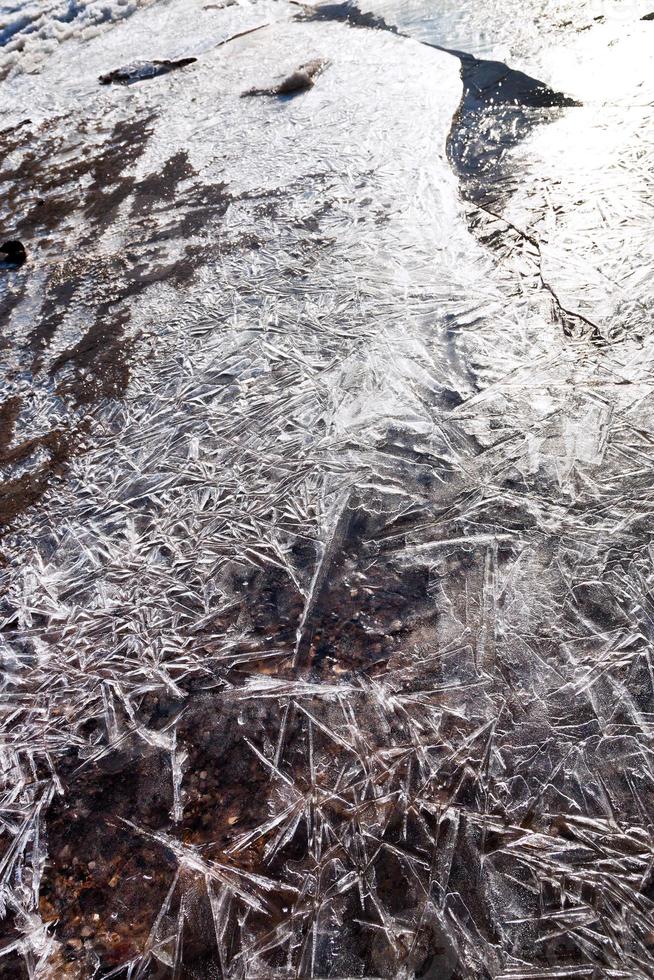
326,447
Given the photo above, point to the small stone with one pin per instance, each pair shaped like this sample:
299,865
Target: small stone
87,932
395,626
75,944
92,865
140,70
298,81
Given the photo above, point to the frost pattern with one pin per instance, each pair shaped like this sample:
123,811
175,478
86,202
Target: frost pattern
327,652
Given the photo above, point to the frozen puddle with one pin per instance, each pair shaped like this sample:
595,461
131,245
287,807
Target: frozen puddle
326,620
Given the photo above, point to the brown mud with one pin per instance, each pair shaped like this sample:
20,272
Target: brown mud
115,846
61,192
25,490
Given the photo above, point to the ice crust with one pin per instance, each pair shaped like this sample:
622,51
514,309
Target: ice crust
326,643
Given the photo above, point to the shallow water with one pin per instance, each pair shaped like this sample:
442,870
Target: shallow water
326,440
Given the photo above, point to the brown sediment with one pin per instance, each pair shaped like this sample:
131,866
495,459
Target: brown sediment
99,361
108,874
13,964
9,410
42,192
13,295
101,881
66,281
198,205
58,296
161,186
110,185
365,607
115,846
14,129
21,492
64,181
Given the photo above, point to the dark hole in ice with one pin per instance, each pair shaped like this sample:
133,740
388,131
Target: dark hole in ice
14,251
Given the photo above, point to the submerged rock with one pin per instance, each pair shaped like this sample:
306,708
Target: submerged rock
300,80
14,252
138,71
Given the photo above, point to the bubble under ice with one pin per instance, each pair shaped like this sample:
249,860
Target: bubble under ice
326,619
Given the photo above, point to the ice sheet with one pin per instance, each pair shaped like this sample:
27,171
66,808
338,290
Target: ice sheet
326,619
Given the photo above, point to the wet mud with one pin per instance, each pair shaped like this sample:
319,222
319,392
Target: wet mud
21,492
47,195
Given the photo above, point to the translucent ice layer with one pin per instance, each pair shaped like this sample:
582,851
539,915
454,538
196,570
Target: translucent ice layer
326,445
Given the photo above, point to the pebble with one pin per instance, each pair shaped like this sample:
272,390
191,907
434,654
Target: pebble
141,70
